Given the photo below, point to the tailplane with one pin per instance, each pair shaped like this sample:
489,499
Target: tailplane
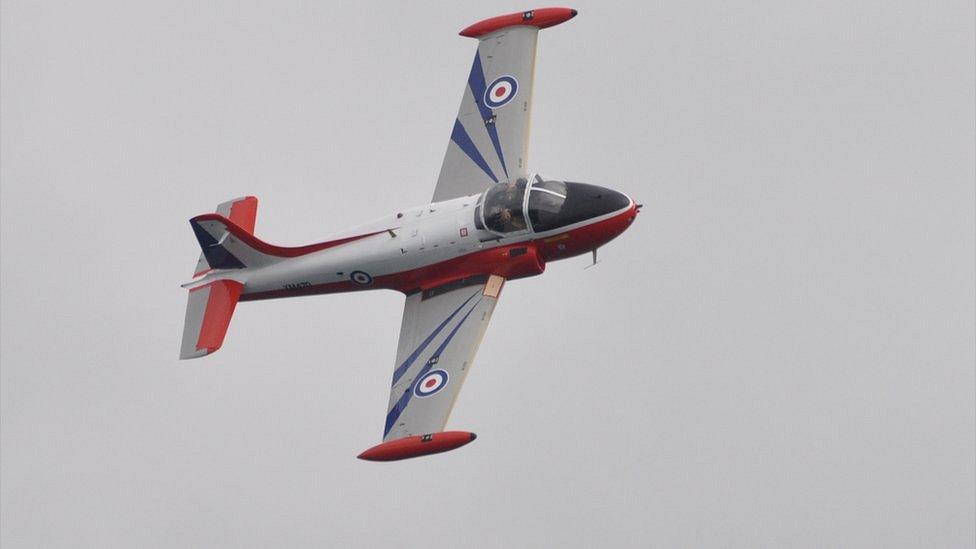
228,245
209,307
208,312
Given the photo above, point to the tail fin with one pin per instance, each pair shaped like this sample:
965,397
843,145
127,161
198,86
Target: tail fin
227,242
242,212
208,312
227,245
210,307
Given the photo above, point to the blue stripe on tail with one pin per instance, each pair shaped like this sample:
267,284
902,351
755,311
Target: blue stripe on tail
217,256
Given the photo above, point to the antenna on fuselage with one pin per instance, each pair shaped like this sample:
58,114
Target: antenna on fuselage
594,259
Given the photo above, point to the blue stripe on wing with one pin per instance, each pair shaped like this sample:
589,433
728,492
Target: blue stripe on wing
402,369
476,80
401,405
463,140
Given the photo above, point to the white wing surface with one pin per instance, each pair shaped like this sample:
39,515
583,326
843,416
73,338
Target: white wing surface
490,137
439,336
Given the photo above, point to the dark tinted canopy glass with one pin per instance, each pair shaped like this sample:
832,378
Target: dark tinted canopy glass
545,202
555,204
503,207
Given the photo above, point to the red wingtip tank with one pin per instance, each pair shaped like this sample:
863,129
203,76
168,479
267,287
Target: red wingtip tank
542,18
416,446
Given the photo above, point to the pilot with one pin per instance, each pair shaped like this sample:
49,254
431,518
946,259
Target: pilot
511,222
505,213
511,191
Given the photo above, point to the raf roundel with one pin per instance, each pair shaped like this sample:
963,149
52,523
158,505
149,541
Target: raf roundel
361,278
431,383
501,91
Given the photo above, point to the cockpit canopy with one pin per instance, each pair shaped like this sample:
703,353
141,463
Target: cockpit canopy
503,207
550,204
546,203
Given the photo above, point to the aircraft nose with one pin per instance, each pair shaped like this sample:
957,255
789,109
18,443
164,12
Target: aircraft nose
591,201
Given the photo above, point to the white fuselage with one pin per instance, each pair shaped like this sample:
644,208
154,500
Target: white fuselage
414,238
410,240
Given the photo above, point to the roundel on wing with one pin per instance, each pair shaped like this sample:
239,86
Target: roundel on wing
431,383
502,90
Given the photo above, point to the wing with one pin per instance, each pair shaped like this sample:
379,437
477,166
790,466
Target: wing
439,336
489,141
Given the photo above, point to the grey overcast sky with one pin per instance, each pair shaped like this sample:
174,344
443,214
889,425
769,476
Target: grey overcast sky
780,352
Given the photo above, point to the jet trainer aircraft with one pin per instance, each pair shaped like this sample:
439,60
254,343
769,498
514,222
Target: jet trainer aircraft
488,222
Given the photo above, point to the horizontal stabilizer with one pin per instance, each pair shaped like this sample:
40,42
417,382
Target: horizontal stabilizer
208,312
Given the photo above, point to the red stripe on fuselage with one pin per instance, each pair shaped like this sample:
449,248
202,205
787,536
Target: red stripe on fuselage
586,238
271,249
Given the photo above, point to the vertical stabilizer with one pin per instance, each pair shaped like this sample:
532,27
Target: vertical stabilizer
243,212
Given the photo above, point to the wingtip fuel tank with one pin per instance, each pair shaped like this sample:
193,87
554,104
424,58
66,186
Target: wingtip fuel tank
418,445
